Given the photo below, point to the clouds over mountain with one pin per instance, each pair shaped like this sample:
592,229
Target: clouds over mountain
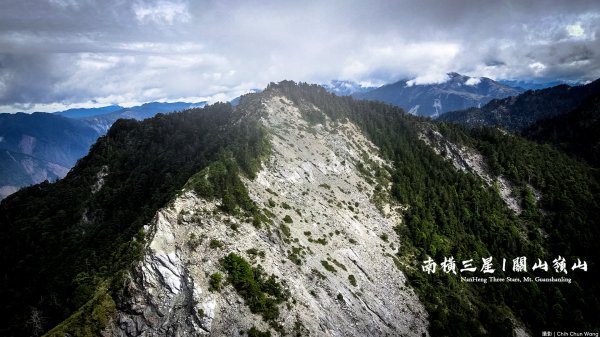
112,51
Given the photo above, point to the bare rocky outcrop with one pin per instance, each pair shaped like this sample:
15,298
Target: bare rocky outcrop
469,160
335,218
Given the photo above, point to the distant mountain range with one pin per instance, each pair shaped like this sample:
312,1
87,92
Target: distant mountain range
102,122
519,112
40,146
347,88
44,146
529,85
457,93
88,112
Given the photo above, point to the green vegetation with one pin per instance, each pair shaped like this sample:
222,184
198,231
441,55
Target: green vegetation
288,219
221,179
254,332
45,243
575,132
90,319
328,267
453,213
321,241
255,252
339,264
313,116
352,280
262,294
68,249
318,273
214,282
194,241
295,257
520,112
397,263
285,205
214,243
285,230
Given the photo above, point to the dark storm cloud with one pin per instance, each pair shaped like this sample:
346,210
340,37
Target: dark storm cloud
117,51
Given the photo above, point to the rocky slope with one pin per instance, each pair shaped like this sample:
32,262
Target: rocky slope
332,252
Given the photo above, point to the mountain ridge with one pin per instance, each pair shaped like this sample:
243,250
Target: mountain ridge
517,113
575,132
264,188
457,92
347,88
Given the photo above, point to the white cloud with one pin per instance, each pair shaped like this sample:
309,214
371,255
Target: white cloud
161,12
146,50
385,61
473,81
537,67
575,30
432,78
64,3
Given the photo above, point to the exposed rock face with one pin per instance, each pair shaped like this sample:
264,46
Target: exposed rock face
312,176
469,160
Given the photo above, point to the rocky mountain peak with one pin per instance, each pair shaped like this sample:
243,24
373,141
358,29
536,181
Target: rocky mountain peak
326,241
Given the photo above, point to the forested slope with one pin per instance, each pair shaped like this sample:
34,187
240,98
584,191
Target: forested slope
61,242
518,112
451,213
65,246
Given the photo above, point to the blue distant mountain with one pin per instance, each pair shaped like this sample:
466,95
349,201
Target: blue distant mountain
236,100
103,122
346,88
88,112
532,85
44,146
457,93
40,146
148,110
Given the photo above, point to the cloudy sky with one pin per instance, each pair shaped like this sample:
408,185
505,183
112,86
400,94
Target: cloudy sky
56,54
